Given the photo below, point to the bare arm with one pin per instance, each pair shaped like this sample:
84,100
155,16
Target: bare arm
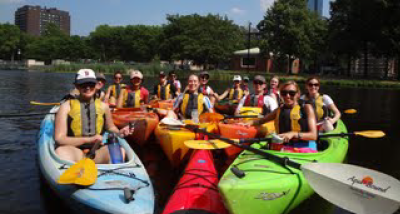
120,101
223,95
336,113
107,96
267,118
60,132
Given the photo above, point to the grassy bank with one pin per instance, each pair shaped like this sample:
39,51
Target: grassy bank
152,69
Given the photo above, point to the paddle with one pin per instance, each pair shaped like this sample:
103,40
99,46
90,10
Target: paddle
84,172
350,111
43,104
356,189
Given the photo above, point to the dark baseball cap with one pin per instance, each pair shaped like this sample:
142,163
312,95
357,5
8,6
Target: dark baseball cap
259,78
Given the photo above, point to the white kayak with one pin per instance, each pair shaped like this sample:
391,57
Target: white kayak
107,194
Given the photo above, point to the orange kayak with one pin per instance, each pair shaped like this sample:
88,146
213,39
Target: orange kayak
144,123
163,104
235,131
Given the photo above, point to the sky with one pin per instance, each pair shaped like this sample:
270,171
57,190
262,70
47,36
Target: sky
87,14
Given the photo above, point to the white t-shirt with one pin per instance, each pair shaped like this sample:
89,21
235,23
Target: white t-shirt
177,84
326,99
269,103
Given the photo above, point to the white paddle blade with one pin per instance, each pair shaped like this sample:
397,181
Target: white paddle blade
359,190
171,122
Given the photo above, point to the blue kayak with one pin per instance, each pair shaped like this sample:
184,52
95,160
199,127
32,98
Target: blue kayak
107,194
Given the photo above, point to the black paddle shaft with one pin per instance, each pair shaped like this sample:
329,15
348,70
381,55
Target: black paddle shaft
281,160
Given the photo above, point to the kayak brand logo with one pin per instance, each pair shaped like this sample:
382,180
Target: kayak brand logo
241,133
368,182
266,196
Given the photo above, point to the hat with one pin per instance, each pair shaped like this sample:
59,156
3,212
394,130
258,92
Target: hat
100,76
204,73
259,78
237,77
246,78
162,73
85,76
136,73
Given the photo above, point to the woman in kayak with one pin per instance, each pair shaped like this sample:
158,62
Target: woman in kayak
164,90
115,89
273,89
101,82
205,89
135,94
325,109
190,101
294,123
80,122
258,99
235,93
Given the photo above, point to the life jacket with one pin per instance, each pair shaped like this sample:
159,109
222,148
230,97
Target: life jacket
190,102
297,120
131,98
163,92
321,111
251,101
85,119
116,90
203,89
235,94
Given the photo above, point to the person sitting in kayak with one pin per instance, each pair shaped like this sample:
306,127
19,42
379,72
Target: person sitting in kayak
191,100
172,79
294,123
235,93
325,109
101,82
245,85
273,88
163,90
115,89
258,99
80,122
135,94
205,89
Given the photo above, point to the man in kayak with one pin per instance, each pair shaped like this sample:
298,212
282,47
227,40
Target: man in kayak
245,85
258,99
235,93
205,89
80,122
135,94
172,79
295,124
101,82
115,89
191,102
163,90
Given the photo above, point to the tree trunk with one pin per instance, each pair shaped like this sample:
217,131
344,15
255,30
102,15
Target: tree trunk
398,66
348,65
289,65
386,67
365,59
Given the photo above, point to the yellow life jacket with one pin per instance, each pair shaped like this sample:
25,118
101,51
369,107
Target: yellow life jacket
163,92
296,115
232,94
114,92
131,98
79,124
185,102
320,110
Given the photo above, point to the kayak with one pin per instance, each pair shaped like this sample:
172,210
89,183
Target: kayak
225,107
162,104
144,123
197,191
268,187
107,194
171,140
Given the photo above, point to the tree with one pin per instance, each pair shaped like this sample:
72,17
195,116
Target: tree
9,40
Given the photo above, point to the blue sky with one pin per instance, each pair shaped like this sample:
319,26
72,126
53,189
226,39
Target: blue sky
87,14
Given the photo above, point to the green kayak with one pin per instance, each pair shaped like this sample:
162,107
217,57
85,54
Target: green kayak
268,187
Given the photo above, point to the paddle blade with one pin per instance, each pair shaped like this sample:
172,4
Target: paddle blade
171,122
359,190
350,111
210,117
82,173
44,104
371,133
206,144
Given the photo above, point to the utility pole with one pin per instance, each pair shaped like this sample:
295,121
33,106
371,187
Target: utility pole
248,50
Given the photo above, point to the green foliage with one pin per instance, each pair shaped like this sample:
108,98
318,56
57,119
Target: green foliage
9,40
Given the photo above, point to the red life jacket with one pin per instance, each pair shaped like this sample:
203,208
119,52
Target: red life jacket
251,102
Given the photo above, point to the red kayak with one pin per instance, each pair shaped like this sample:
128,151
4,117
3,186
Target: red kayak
197,190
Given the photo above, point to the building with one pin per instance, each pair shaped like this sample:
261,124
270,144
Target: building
33,19
316,6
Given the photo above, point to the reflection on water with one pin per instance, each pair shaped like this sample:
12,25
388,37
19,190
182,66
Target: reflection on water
22,192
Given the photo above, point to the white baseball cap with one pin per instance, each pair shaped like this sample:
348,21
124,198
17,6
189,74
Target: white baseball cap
85,76
136,73
237,77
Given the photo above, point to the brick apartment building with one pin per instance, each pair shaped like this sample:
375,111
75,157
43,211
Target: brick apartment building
33,19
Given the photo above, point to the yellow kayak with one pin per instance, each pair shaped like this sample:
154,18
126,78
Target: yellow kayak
263,130
172,140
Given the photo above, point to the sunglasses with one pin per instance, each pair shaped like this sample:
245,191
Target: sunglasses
118,78
313,84
286,92
204,77
258,83
85,85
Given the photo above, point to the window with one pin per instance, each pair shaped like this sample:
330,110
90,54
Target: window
248,62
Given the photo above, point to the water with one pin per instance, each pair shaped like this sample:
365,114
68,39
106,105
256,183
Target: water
22,192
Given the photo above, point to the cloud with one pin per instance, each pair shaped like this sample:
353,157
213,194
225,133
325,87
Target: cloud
11,1
265,4
237,10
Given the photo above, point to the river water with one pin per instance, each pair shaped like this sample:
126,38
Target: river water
22,192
